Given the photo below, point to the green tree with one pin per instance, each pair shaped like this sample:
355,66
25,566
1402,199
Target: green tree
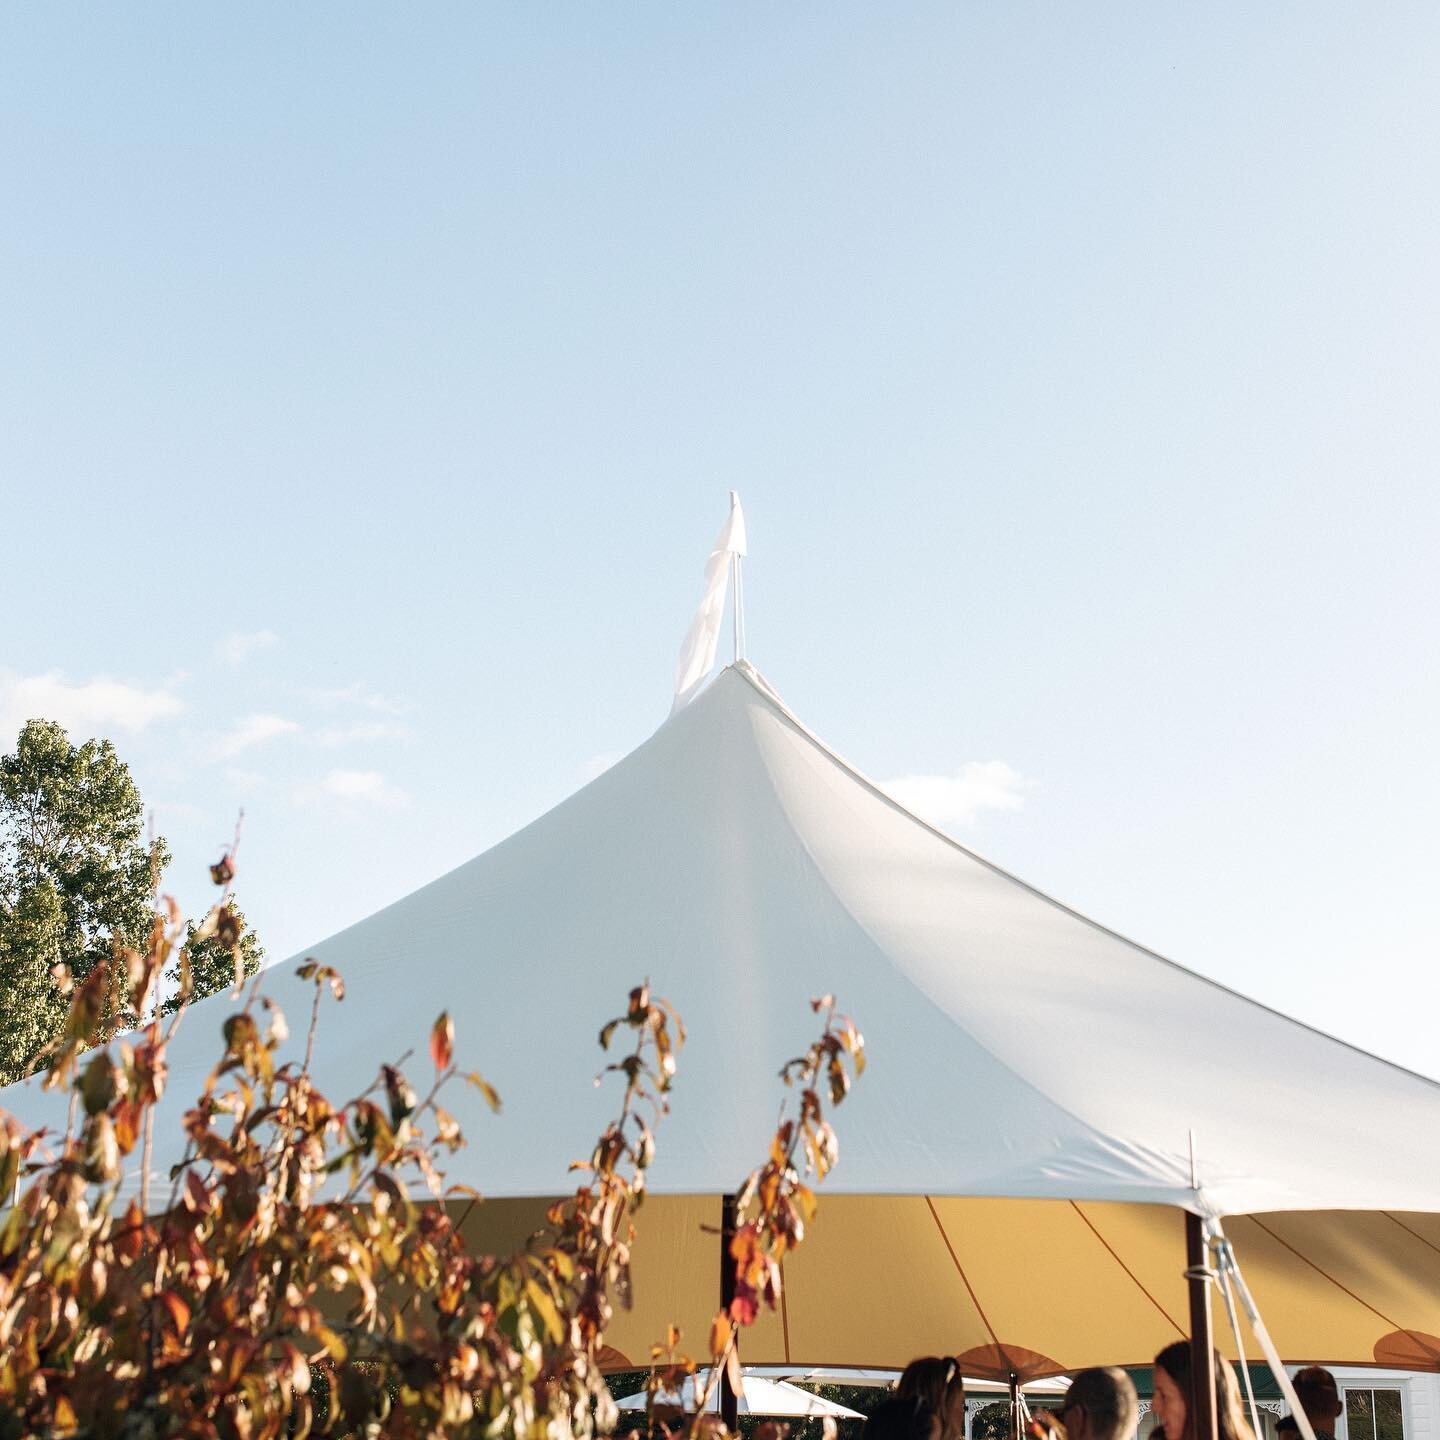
32,1004
213,956
77,879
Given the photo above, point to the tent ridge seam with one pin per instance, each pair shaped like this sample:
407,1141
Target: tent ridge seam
1094,1230
1345,1289
767,694
960,1270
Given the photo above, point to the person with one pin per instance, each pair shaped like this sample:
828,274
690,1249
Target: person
937,1381
1100,1405
901,1417
1171,1400
1287,1427
1319,1398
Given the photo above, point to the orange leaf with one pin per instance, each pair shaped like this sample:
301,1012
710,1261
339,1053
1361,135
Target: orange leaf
176,1308
805,1201
442,1042
719,1332
66,1421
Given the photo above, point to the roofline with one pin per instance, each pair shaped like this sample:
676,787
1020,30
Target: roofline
767,692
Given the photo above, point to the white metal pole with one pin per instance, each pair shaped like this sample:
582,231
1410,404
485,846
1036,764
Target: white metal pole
740,604
735,603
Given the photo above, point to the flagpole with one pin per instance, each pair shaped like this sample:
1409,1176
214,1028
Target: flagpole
735,604
699,652
740,599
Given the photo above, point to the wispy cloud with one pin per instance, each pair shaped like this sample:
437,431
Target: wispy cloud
360,733
364,697
236,649
358,787
177,812
87,707
246,782
251,731
960,799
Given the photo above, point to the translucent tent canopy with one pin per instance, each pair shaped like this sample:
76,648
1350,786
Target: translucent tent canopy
1012,1163
1027,1287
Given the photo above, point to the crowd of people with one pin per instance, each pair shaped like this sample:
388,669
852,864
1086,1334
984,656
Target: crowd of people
1101,1404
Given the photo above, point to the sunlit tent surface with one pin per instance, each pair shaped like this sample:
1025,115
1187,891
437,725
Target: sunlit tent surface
1011,1158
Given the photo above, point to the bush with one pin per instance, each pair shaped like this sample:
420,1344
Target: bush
290,1283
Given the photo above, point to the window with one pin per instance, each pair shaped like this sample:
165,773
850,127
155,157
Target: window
991,1422
1374,1415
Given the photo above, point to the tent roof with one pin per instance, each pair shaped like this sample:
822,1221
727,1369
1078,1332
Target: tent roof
1017,1049
1009,1160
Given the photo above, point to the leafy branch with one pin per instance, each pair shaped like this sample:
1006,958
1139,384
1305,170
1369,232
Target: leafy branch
773,1209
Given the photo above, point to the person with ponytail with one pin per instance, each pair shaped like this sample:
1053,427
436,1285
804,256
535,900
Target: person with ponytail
936,1380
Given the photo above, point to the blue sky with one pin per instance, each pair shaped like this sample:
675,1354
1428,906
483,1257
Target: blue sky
372,379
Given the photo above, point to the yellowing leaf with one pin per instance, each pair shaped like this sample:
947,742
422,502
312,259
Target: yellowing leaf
544,1305
492,1099
66,1421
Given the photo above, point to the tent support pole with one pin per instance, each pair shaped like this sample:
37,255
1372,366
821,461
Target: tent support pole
729,1400
1202,1339
1014,1406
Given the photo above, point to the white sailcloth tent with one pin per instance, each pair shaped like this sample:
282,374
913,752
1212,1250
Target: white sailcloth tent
1014,1156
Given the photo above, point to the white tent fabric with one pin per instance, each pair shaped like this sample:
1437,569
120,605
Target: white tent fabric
758,1396
697,654
1017,1050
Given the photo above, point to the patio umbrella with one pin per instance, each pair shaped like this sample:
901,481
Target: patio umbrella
759,1396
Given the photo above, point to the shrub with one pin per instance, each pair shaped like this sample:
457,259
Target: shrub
290,1283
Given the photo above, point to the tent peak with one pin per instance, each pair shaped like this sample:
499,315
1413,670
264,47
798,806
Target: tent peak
697,654
1199,1203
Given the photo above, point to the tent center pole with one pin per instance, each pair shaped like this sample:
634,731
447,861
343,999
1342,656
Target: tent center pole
1202,1340
729,1400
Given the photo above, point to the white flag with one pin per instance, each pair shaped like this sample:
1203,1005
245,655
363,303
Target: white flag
697,654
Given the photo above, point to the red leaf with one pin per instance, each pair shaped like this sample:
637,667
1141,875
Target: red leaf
442,1042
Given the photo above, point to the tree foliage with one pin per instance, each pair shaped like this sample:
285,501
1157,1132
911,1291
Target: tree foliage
993,1422
221,951
77,885
302,1270
76,878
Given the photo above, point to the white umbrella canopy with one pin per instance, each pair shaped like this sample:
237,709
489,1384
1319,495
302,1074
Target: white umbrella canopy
831,1375
759,1396
1012,1157
1051,1385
